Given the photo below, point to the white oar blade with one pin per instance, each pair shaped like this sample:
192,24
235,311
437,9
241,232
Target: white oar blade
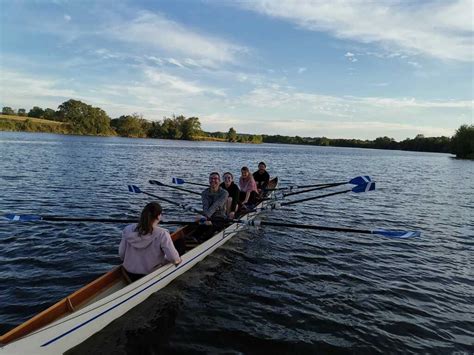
397,234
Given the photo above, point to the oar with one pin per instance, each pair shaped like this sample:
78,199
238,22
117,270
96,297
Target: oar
137,190
34,218
382,232
156,182
179,181
359,188
312,189
358,180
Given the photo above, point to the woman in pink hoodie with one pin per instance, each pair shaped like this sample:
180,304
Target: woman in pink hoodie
248,187
145,246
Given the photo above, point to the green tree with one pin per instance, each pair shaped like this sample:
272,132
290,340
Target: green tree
130,126
21,112
190,127
232,135
84,118
7,111
49,114
171,128
462,143
36,111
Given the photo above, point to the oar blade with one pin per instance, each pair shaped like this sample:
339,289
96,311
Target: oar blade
156,182
397,234
368,186
178,181
134,188
23,217
360,180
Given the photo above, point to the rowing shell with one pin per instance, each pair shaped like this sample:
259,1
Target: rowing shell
88,310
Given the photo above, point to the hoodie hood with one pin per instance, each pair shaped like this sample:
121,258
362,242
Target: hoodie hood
136,240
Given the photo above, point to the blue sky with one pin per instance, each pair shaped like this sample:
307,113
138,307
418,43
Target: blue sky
340,69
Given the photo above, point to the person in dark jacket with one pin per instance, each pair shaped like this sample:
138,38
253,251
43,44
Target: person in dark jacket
261,177
234,191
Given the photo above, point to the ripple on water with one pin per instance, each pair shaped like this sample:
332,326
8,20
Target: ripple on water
272,289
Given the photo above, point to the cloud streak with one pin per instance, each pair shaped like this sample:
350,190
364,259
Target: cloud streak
440,29
156,32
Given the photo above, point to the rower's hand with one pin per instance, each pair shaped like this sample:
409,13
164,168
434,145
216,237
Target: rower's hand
177,262
231,215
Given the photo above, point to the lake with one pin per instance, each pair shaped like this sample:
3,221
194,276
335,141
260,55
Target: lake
268,289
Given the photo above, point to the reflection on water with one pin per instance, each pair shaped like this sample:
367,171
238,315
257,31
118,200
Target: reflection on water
269,289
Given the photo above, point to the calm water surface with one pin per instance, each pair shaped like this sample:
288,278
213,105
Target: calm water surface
267,290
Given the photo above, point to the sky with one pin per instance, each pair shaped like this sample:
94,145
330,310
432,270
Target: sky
339,69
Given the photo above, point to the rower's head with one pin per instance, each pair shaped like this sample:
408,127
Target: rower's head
214,180
245,172
150,214
262,167
228,178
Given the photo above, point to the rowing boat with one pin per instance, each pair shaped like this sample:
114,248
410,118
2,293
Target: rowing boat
85,312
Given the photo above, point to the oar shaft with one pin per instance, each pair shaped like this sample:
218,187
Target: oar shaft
160,198
308,226
291,187
155,182
313,189
314,198
197,184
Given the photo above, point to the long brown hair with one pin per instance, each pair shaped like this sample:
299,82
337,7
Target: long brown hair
148,216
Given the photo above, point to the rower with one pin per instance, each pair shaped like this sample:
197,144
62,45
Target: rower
145,246
234,191
261,177
248,189
214,200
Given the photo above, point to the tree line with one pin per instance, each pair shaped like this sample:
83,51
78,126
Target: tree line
85,119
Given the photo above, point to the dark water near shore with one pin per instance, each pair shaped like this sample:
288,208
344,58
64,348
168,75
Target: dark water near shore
267,290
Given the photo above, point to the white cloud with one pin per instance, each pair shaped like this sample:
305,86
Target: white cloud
301,70
440,29
178,84
158,33
67,18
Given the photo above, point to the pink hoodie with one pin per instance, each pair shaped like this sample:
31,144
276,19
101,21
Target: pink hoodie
142,254
248,184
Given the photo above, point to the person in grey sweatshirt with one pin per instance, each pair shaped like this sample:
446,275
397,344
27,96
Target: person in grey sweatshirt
214,200
145,246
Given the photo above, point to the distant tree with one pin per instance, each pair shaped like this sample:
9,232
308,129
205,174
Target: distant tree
49,114
257,139
462,143
21,112
7,111
232,135
36,111
190,127
130,126
171,128
84,118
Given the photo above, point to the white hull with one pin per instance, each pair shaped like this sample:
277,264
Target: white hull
73,329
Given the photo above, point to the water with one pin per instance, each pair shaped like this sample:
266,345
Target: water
267,290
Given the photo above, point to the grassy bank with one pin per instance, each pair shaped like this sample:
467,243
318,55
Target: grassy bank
31,124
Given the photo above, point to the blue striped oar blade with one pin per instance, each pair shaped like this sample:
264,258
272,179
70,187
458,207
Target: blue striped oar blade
178,181
360,180
23,217
367,186
396,234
